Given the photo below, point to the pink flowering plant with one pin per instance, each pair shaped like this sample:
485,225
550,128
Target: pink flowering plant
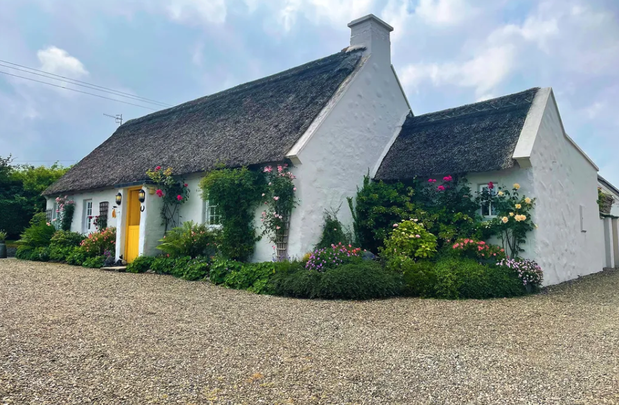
529,272
64,213
409,239
172,190
336,255
479,250
278,201
511,215
98,242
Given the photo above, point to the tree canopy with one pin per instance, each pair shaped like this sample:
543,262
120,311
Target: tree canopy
20,192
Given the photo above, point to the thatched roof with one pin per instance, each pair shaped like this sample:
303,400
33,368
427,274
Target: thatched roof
477,137
253,123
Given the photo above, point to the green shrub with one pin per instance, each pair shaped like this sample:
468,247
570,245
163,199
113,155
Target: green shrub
358,281
466,278
66,239
95,262
332,232
3,236
254,277
40,232
418,276
186,268
221,268
58,253
409,238
140,264
196,269
24,252
77,256
98,243
190,239
162,264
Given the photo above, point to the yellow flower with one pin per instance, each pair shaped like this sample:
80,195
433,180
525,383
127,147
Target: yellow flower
518,206
511,214
523,217
504,219
501,194
516,186
527,200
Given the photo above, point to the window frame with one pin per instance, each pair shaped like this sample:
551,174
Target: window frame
87,216
480,189
206,216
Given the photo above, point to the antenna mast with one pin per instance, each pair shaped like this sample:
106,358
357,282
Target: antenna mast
117,117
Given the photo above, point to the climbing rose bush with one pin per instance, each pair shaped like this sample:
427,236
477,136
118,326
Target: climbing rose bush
333,256
410,238
278,200
528,270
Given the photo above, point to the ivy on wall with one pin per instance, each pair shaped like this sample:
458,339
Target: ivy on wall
237,192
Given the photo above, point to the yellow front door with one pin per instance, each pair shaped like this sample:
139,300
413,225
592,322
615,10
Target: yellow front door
132,234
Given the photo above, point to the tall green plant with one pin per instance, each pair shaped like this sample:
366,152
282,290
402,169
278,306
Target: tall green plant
237,192
190,239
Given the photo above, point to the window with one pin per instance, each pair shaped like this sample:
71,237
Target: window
87,217
103,212
487,209
212,215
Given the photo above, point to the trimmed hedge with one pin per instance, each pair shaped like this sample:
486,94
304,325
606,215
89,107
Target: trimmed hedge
359,281
466,278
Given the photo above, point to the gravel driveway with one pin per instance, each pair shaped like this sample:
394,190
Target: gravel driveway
70,335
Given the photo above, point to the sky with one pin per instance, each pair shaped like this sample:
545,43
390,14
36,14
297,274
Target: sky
446,53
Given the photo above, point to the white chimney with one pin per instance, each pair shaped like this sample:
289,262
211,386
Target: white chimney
372,33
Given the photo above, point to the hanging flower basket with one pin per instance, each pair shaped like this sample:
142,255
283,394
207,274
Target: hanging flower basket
606,203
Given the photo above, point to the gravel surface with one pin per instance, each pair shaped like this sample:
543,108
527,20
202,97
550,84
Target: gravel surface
70,335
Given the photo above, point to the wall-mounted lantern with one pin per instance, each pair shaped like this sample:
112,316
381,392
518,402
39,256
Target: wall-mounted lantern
119,198
141,198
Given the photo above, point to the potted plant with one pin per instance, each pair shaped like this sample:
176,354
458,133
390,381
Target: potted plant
2,244
605,202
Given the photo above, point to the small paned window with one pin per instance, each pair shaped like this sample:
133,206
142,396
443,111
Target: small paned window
212,214
487,208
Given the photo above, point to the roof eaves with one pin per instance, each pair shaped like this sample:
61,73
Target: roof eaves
608,185
530,129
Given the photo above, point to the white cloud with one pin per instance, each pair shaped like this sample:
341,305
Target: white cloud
197,11
444,12
483,72
58,61
334,12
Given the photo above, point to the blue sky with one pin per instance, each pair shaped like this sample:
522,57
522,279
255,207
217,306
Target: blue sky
446,52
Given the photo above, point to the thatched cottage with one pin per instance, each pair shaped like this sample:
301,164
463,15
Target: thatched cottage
336,119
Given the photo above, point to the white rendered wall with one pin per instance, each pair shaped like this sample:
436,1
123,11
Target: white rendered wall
97,197
564,180
344,148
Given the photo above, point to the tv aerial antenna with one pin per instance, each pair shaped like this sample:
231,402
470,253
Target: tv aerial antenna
117,117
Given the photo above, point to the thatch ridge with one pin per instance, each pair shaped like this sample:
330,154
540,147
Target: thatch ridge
476,137
248,124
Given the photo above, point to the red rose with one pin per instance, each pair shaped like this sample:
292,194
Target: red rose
490,185
157,168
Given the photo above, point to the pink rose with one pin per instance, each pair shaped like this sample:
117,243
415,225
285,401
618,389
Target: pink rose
490,185
395,225
159,193
185,185
441,188
179,197
157,168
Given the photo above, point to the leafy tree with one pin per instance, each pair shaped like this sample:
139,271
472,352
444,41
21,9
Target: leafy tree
20,192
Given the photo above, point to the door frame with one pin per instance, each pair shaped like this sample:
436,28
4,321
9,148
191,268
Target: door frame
128,210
